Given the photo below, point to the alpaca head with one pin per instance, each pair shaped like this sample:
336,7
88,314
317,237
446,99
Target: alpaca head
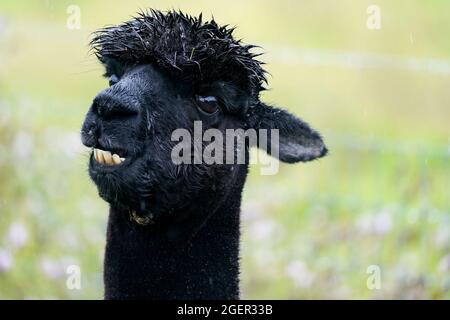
167,71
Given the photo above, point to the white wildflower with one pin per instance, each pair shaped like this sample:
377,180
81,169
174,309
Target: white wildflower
52,269
17,235
22,145
300,274
261,229
6,260
444,264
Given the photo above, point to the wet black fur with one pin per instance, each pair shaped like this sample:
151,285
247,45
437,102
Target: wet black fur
183,46
173,230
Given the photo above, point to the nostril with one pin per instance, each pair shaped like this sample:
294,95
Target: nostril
89,132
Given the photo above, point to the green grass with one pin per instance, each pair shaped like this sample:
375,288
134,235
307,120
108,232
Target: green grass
380,198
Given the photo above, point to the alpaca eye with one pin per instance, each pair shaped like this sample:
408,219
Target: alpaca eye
207,104
113,79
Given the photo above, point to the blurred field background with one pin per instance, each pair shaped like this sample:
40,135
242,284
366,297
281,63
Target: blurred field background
380,97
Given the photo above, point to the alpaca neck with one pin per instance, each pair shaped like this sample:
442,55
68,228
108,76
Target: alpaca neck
173,262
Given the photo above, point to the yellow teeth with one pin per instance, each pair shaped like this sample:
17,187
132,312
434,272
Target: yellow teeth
105,157
116,159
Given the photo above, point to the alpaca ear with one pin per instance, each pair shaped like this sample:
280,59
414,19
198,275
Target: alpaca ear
297,141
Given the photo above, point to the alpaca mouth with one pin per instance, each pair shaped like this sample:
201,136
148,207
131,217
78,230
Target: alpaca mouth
107,157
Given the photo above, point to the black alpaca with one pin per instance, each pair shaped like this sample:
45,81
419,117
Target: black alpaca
173,230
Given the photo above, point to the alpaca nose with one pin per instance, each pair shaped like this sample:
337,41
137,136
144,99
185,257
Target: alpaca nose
89,132
109,105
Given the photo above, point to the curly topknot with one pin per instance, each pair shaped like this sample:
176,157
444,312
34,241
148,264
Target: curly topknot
184,46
